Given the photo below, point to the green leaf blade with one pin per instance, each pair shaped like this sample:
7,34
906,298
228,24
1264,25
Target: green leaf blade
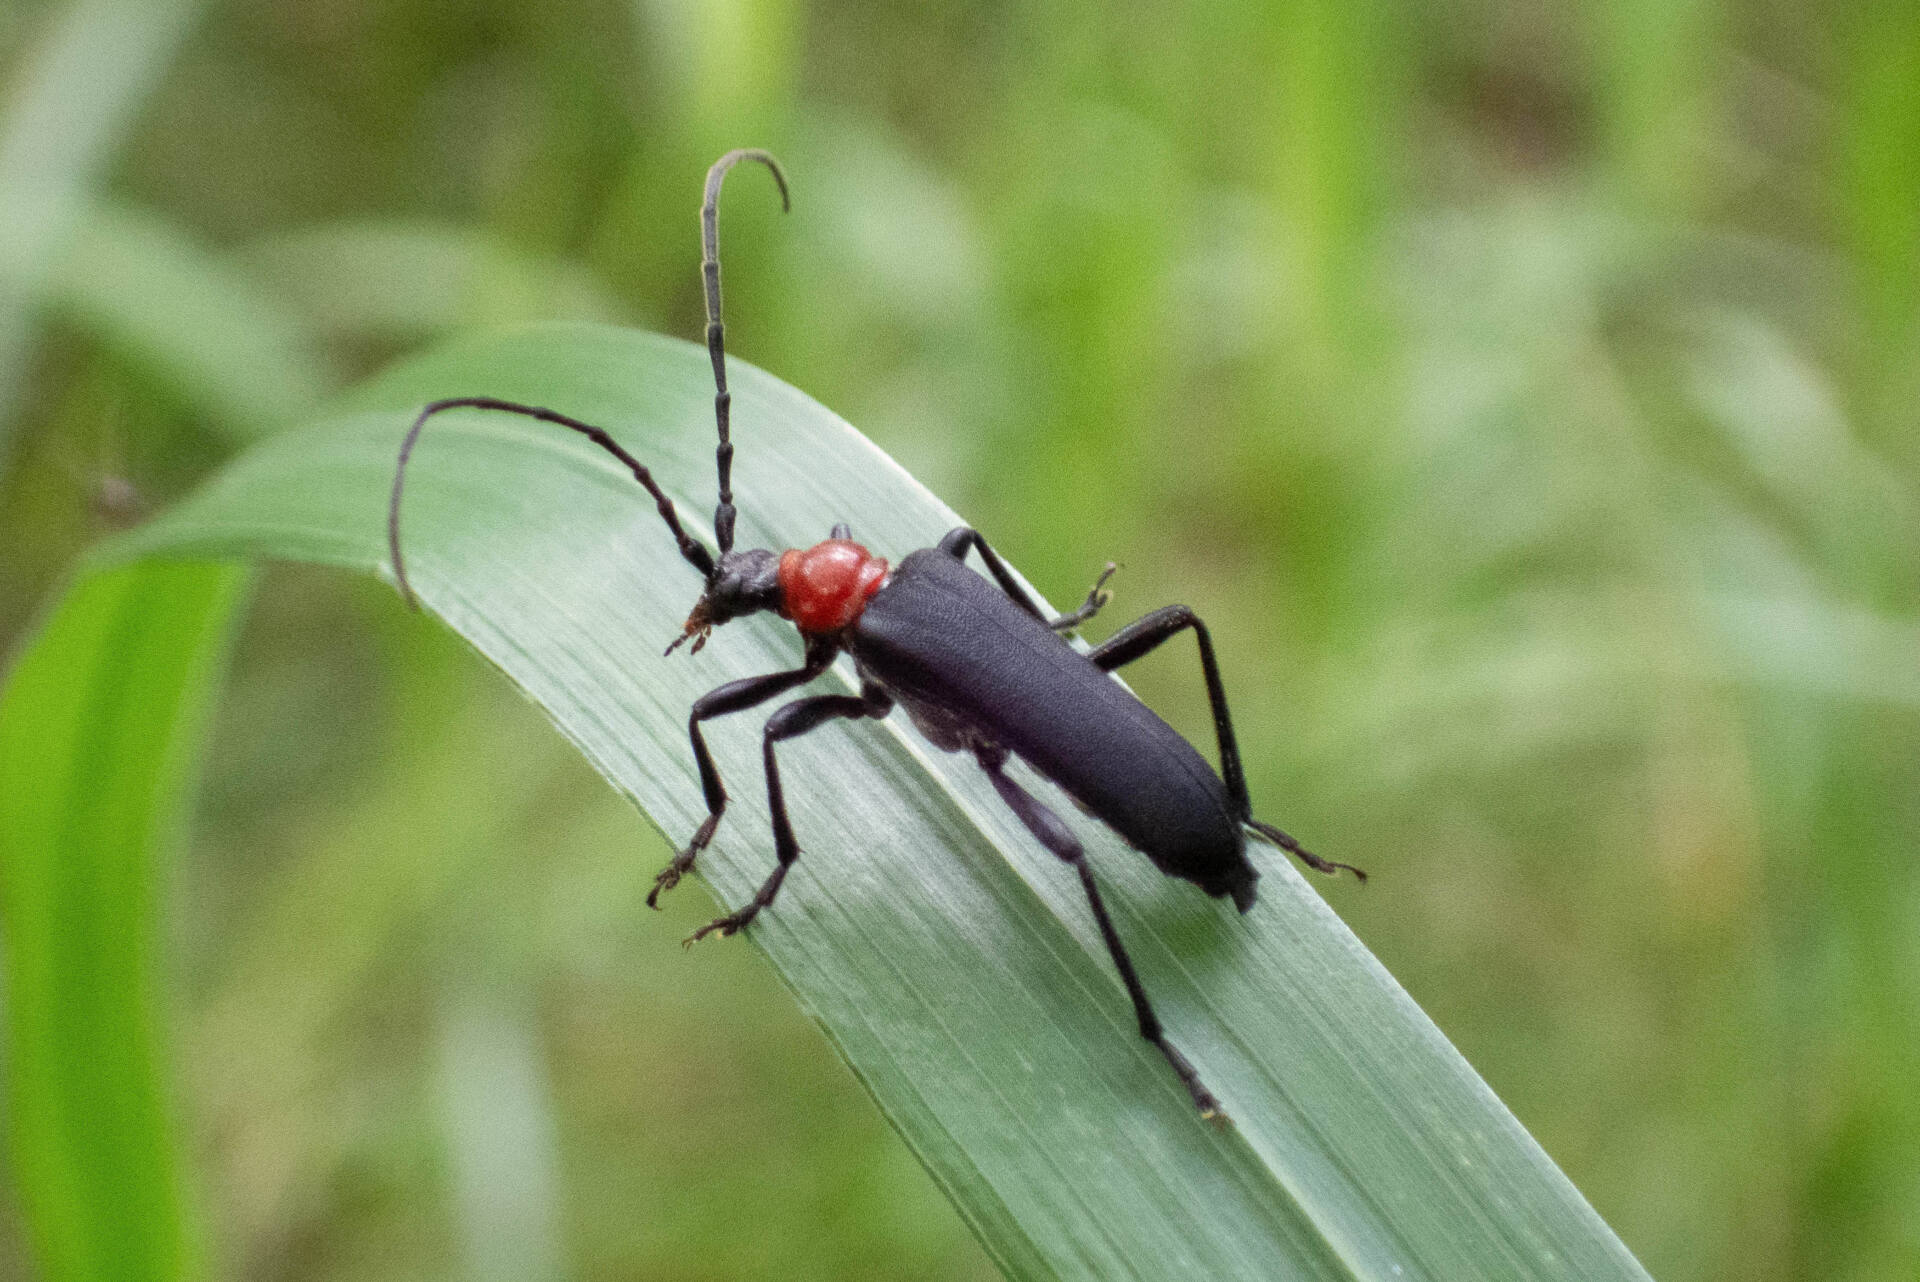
950,958
97,732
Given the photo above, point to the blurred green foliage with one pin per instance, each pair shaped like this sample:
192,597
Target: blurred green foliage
1526,395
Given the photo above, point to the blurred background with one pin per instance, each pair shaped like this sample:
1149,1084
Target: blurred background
1525,393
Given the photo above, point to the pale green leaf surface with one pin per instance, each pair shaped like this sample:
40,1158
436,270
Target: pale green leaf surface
951,959
98,729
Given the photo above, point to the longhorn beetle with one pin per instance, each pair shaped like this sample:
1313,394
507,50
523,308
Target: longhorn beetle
977,666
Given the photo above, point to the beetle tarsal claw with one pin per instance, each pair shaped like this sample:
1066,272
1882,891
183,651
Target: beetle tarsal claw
669,878
724,927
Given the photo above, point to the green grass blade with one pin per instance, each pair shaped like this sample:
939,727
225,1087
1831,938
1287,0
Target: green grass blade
69,107
204,324
951,960
405,282
97,729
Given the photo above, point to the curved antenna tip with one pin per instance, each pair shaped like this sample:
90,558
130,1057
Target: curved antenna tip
723,512
718,173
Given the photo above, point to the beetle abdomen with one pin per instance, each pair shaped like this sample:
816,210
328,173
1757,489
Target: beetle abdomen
940,636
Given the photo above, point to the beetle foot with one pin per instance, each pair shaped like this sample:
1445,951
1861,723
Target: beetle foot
682,864
1202,1097
1101,594
670,876
1095,602
736,921
1329,867
1300,852
727,925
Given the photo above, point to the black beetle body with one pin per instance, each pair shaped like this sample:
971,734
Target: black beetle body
1015,684
974,662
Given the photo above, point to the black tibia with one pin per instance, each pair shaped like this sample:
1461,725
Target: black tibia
1058,838
723,515
958,540
795,719
1143,636
691,548
731,697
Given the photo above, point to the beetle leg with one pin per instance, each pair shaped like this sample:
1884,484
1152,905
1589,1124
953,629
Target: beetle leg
955,545
731,697
1294,848
959,539
1143,636
1058,838
791,721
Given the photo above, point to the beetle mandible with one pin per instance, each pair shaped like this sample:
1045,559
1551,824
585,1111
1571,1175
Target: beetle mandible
976,665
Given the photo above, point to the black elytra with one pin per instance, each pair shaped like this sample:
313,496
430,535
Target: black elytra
973,661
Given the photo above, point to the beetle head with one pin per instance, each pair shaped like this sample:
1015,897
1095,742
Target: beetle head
742,583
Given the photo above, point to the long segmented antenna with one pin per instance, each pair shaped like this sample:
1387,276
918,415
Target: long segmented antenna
691,548
716,333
